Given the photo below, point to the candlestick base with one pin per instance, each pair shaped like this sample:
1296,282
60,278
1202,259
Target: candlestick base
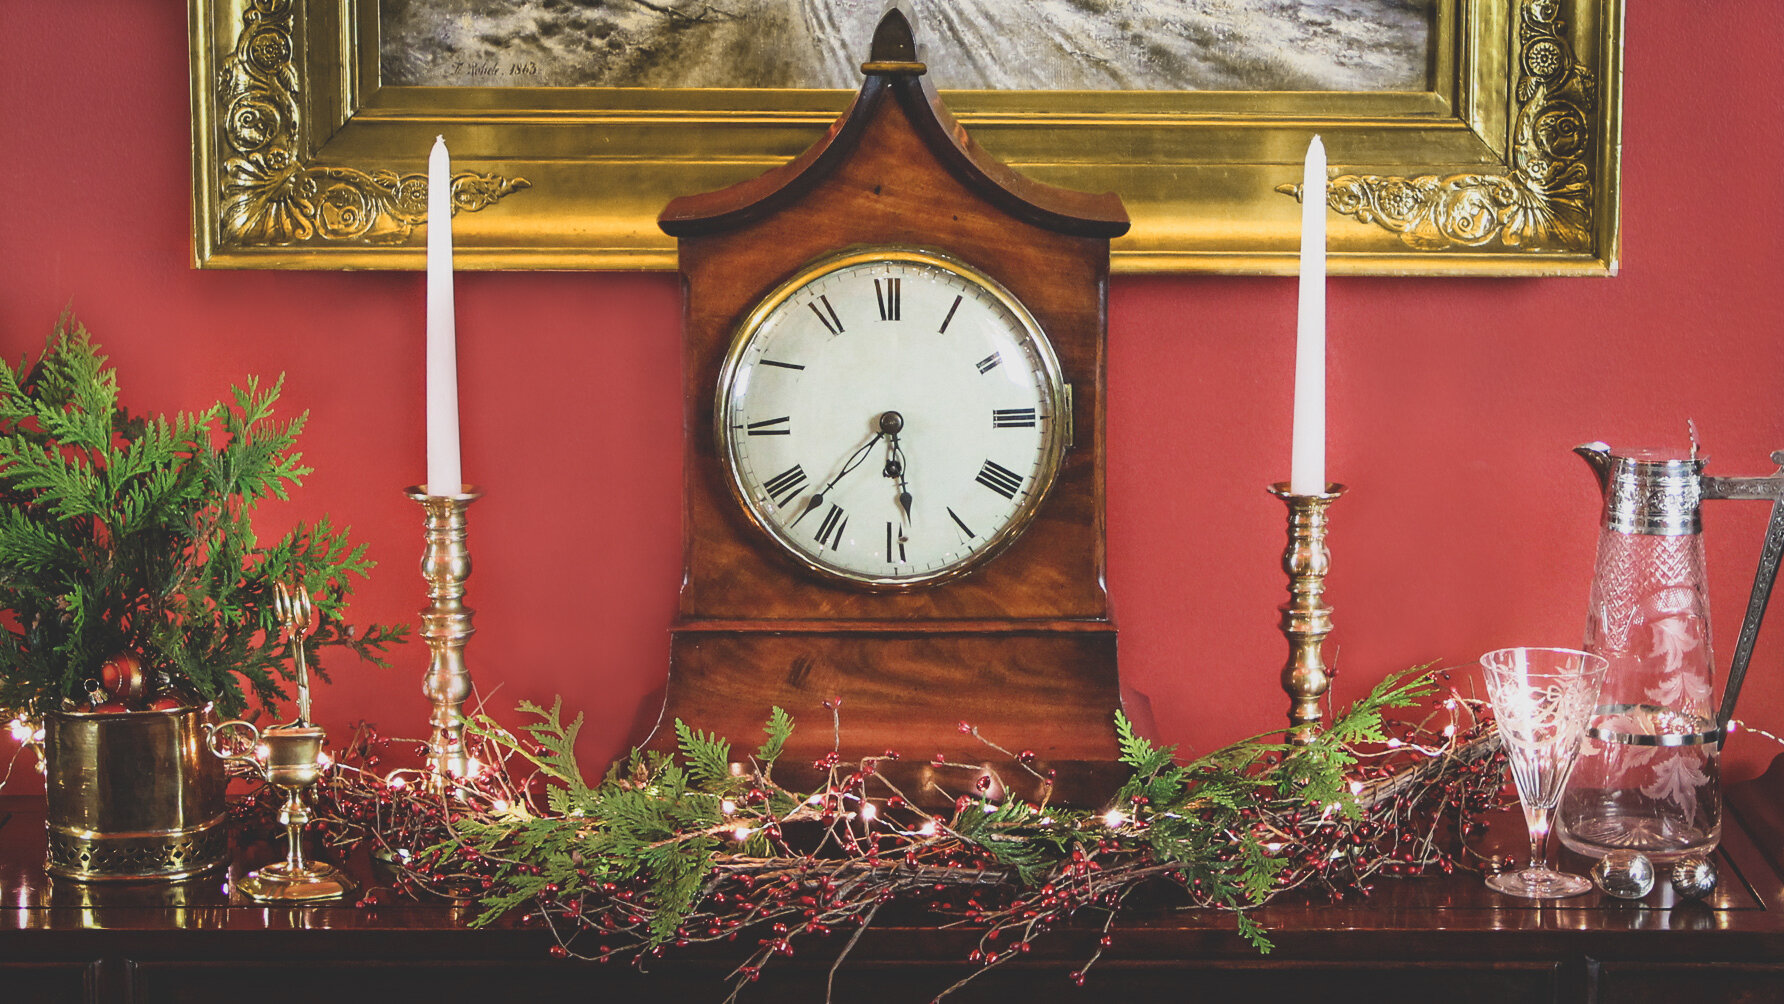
446,624
1306,618
279,883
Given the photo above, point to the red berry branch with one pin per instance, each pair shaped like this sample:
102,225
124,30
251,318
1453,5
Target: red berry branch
706,846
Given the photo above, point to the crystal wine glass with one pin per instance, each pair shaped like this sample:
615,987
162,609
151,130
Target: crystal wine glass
1542,700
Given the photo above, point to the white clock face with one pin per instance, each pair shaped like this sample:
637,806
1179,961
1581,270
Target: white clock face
891,417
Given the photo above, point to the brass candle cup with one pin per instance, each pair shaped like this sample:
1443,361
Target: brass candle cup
1306,617
292,756
289,757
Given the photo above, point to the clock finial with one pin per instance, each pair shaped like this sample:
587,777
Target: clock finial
894,47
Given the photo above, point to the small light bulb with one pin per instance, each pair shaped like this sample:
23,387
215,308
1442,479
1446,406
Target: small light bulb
1356,787
868,812
741,834
500,805
398,782
1114,818
927,829
324,761
1395,744
727,807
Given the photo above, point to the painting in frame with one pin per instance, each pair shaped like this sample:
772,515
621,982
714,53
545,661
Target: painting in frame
1475,137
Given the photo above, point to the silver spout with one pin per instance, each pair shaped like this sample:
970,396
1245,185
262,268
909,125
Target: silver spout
1599,456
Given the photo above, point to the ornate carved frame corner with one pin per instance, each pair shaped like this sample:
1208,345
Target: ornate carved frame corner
1544,202
1508,165
272,191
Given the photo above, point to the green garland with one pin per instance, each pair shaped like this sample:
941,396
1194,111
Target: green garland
672,850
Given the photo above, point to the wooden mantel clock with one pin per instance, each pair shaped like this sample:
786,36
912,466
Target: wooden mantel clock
894,354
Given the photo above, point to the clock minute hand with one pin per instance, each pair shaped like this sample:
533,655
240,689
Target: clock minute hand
853,462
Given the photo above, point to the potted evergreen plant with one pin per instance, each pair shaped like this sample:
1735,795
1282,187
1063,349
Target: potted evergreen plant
135,598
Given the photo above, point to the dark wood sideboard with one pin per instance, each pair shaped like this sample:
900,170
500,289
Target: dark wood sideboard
1437,938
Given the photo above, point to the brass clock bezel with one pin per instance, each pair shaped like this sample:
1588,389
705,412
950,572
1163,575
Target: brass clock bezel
1056,438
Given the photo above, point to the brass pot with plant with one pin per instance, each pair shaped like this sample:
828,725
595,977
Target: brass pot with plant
136,602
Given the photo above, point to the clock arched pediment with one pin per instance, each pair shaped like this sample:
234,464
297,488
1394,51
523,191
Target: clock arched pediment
897,83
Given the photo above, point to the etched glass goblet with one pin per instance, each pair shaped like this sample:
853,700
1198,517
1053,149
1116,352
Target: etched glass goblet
1542,700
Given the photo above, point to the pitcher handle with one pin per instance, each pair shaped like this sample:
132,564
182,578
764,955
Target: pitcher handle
1770,554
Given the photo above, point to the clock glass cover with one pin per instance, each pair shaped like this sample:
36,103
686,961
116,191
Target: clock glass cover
891,417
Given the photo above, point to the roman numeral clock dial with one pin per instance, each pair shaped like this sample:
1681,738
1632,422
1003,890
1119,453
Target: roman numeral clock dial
891,417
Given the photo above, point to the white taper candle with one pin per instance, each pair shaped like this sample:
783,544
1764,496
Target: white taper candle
1307,468
443,474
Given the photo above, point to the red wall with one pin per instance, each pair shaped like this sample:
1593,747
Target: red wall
1453,401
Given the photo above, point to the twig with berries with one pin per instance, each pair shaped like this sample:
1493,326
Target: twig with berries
705,846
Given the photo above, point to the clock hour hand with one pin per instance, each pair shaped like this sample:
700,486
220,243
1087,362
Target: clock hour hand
891,424
853,462
897,468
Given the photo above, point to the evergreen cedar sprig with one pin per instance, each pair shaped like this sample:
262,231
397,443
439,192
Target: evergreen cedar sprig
125,533
668,851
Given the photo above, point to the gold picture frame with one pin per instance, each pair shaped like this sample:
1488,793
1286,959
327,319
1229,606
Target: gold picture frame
1507,166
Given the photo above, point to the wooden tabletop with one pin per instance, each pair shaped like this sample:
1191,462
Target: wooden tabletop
1413,938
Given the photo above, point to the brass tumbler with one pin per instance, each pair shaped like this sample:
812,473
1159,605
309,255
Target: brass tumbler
132,796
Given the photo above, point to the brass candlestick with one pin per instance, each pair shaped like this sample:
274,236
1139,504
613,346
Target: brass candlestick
446,624
1306,619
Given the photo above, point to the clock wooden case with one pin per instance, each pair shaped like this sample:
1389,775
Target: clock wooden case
1022,645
